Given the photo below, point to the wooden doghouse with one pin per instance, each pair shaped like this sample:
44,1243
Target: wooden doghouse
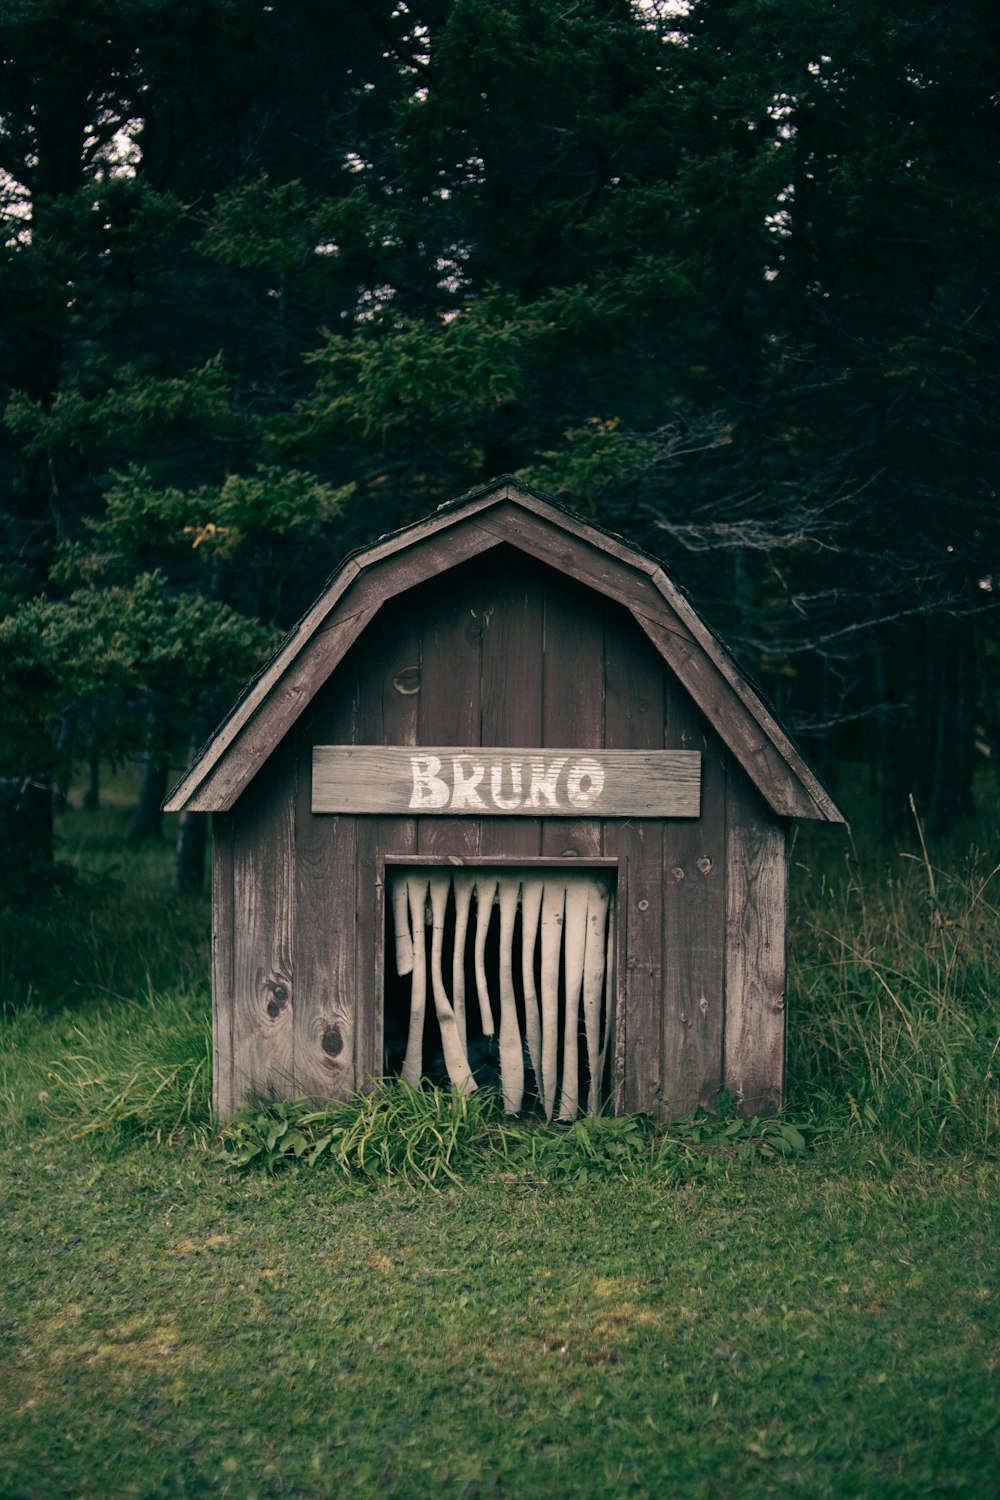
503,697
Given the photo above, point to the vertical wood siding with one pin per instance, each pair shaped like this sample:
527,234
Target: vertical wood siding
757,865
450,697
694,900
513,632
503,651
634,696
263,992
325,1022
390,677
222,964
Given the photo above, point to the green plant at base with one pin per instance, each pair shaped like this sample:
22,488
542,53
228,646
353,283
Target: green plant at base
430,1135
151,1079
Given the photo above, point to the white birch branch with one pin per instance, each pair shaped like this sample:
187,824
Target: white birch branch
463,886
553,903
401,924
485,891
531,907
594,968
576,941
413,1062
455,1057
511,1051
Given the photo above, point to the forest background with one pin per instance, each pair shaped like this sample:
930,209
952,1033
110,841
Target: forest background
280,277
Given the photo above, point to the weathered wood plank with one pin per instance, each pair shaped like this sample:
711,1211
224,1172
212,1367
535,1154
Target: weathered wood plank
511,700
325,899
390,681
575,552
689,622
253,737
633,713
222,965
263,902
694,898
450,691
573,714
455,781
742,732
252,732
321,611
757,878
509,515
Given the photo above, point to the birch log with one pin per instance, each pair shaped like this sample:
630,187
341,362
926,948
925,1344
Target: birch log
413,1062
594,966
553,904
463,886
575,928
531,907
486,887
452,1047
401,923
511,1053
609,974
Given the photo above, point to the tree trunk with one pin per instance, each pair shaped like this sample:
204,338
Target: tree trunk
92,788
188,875
189,856
25,832
891,768
147,820
987,699
949,790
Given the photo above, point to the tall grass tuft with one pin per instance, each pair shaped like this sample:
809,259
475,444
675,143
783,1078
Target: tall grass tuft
893,1021
392,1131
141,1069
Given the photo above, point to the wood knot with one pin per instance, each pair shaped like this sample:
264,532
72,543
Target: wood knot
332,1041
278,998
407,681
677,872
705,864
644,905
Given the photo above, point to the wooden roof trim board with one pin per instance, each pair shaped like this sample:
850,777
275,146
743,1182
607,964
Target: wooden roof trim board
503,513
826,806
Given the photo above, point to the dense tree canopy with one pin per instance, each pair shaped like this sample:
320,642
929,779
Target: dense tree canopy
278,277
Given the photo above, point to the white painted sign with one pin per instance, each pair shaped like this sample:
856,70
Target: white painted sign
417,781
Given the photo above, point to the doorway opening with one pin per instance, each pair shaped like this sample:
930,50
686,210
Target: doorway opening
502,977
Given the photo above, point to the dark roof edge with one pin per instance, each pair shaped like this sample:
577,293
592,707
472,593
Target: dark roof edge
480,492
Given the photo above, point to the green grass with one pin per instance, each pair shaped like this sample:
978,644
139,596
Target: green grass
582,1313
112,927
824,1329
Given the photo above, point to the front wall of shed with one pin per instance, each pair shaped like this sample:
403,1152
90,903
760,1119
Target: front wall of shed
502,651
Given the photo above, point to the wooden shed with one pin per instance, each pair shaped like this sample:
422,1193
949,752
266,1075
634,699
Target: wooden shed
502,757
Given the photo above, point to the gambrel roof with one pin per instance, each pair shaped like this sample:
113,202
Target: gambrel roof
505,512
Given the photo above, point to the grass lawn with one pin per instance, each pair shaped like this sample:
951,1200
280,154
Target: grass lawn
824,1325
828,1327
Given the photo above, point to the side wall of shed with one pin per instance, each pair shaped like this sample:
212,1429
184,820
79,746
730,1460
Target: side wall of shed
501,651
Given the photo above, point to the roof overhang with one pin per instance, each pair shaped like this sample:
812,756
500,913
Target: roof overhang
506,512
